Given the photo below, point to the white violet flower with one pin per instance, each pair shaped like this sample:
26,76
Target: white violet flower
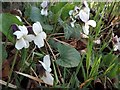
44,12
73,15
48,79
84,16
98,41
22,38
84,13
44,5
86,27
40,35
116,43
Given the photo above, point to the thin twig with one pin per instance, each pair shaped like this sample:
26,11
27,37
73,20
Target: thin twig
62,42
56,34
9,84
27,22
110,26
51,50
81,85
29,76
59,37
7,43
31,69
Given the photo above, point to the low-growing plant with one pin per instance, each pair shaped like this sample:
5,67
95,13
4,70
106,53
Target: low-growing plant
61,45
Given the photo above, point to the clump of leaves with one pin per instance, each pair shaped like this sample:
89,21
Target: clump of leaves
78,60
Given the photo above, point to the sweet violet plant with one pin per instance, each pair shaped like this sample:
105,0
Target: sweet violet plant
56,49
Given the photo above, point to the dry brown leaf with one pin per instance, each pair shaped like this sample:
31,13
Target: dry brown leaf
5,69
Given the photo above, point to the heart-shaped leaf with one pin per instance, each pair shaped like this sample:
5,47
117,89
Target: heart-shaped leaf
7,20
35,14
69,56
70,31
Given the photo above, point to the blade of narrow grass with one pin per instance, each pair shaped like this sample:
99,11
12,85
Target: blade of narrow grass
89,55
64,74
74,75
17,80
31,68
10,74
111,9
23,58
80,64
95,66
105,42
99,23
72,79
109,68
55,73
84,73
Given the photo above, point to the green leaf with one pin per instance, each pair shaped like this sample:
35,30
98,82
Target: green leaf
38,54
109,68
69,56
108,59
47,27
35,14
75,32
53,43
7,20
113,71
65,10
56,10
23,57
70,31
57,7
27,9
4,53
